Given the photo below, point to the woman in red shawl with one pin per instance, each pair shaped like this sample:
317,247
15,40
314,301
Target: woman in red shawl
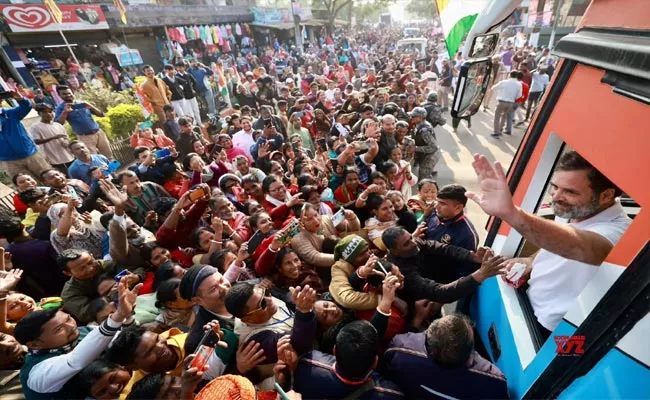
350,189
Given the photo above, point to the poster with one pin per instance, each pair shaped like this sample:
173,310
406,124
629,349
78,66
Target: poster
36,18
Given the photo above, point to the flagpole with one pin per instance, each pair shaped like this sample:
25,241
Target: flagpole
65,40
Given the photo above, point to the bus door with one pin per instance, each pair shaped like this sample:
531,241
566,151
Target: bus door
598,104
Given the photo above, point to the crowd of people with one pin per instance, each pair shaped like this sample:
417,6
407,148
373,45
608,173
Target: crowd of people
307,237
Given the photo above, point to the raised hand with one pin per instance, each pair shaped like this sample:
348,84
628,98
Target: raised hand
286,353
390,285
113,194
304,298
420,231
495,197
126,300
190,378
249,356
9,279
492,265
368,268
295,199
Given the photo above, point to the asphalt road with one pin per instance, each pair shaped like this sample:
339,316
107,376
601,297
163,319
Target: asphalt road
457,156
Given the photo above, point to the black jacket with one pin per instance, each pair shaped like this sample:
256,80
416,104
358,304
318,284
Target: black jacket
176,87
418,287
189,89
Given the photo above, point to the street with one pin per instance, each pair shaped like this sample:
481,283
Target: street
457,156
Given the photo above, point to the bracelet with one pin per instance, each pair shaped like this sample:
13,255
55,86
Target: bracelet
3,298
362,199
273,251
232,234
219,243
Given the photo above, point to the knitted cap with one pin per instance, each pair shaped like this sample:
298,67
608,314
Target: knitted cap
228,387
349,248
193,278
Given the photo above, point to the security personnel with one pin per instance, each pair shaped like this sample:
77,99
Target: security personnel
434,111
426,146
450,225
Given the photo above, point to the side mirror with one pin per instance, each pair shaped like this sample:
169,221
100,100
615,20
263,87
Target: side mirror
484,46
473,81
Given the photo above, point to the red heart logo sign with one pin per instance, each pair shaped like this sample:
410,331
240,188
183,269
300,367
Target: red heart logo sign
32,17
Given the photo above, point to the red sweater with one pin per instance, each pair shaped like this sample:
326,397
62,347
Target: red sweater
180,237
279,214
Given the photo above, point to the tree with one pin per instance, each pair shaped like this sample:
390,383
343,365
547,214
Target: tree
422,8
333,8
370,11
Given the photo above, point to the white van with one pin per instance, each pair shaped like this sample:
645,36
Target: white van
408,45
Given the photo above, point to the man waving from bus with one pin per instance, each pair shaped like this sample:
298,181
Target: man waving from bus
589,222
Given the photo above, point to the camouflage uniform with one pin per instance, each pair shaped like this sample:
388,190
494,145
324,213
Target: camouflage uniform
426,146
434,114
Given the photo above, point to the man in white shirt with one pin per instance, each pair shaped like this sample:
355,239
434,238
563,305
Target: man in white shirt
589,223
537,87
244,138
507,91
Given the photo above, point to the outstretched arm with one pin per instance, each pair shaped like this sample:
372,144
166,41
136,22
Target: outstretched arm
567,241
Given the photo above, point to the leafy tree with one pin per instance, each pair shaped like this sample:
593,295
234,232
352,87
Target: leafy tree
333,8
422,8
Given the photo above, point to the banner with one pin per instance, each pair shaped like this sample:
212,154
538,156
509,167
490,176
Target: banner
37,18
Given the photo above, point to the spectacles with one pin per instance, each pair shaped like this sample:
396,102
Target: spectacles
262,306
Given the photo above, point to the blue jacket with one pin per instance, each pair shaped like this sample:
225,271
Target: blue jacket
458,231
407,363
15,142
199,75
316,378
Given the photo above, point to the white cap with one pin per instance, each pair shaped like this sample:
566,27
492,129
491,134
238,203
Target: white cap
289,80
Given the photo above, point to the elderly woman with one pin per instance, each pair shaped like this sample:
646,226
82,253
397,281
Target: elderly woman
315,229
74,231
145,137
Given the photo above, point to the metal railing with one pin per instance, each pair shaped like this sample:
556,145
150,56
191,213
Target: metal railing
122,151
7,202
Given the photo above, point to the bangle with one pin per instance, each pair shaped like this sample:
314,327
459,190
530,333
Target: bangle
232,234
3,298
218,242
273,251
362,199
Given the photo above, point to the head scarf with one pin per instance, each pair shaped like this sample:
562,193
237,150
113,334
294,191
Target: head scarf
192,280
349,248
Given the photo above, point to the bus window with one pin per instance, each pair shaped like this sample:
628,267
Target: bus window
536,303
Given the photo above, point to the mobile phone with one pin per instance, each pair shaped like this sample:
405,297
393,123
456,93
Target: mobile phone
215,150
338,217
5,95
322,143
121,275
291,230
268,123
341,129
335,163
162,153
205,349
300,114
198,193
55,198
78,106
255,241
361,146
379,266
112,167
295,146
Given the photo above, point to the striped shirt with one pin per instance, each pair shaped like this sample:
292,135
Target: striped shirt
137,207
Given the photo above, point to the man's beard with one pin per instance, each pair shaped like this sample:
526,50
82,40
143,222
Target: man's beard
578,211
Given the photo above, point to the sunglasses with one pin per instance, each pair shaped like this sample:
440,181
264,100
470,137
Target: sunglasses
262,305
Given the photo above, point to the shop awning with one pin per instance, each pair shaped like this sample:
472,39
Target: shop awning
281,25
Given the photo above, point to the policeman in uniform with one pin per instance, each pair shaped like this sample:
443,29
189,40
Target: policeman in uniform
426,146
434,111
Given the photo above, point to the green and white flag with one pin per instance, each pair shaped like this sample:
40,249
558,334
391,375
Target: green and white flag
457,18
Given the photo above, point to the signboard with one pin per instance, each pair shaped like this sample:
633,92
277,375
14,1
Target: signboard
271,16
36,18
128,58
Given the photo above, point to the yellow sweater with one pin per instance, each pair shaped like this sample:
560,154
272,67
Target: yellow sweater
176,340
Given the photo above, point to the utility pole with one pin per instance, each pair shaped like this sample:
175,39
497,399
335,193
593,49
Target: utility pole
556,13
295,9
